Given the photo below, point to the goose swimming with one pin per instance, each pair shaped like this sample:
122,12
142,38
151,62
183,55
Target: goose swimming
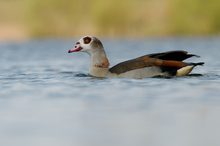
165,64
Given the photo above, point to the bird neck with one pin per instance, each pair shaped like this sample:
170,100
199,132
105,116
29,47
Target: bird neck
99,64
99,59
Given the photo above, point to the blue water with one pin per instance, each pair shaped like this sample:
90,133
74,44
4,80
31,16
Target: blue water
47,98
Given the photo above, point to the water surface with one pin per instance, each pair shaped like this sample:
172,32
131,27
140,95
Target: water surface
47,98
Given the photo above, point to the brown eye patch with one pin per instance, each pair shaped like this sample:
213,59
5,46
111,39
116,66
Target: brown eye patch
87,40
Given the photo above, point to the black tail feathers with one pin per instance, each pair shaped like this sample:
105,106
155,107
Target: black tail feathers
196,64
192,55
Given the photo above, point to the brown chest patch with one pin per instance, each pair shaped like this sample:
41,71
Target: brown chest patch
104,64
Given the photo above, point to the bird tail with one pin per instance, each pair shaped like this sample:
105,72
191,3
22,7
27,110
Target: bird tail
187,69
196,64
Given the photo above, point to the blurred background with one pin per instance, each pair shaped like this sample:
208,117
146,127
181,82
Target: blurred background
48,99
24,19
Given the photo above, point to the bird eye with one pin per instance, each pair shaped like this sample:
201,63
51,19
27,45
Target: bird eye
87,40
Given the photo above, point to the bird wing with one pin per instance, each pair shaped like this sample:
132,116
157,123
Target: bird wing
172,55
166,60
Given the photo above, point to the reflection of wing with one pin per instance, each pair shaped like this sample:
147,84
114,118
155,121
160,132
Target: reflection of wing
168,60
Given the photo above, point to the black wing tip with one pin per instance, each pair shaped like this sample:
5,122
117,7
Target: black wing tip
193,55
199,63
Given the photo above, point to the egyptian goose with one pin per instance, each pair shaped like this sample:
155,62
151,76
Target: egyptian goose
165,64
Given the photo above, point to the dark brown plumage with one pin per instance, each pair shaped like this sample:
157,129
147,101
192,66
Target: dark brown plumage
168,61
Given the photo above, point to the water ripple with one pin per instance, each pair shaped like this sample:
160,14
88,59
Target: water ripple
46,98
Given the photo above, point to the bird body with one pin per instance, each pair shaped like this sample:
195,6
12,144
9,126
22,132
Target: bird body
159,64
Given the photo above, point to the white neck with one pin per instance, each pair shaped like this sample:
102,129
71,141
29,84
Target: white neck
99,63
